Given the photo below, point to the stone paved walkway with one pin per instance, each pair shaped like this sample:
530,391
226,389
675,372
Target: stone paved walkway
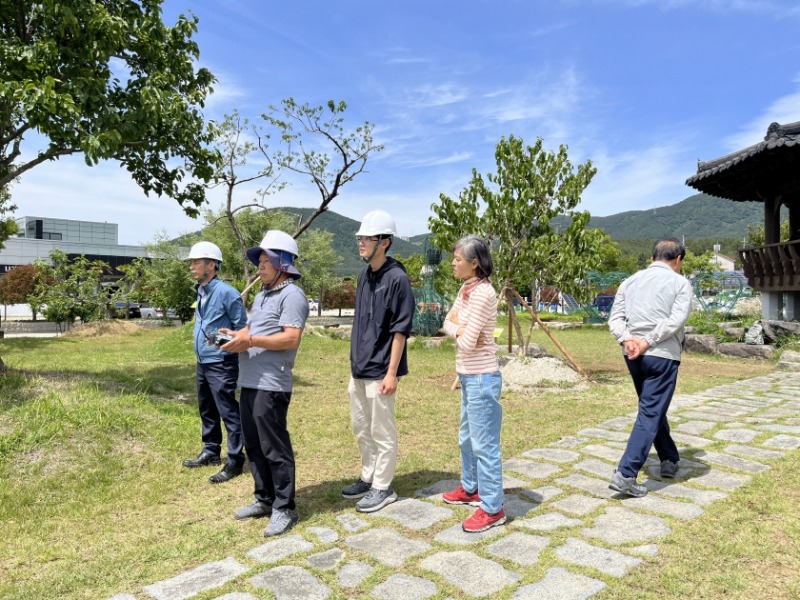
726,435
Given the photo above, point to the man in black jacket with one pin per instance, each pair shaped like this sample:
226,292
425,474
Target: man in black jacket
383,318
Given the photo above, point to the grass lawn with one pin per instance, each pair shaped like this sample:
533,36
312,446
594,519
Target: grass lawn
94,500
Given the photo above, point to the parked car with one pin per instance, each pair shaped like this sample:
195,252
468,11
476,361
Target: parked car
148,312
127,310
313,304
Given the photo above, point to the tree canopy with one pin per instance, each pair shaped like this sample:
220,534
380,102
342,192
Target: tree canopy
109,79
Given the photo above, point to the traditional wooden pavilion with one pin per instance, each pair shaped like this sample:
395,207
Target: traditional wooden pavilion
767,172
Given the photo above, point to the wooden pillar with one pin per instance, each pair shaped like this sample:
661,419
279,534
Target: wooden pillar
793,202
772,220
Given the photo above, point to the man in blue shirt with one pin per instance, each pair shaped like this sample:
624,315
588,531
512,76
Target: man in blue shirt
219,306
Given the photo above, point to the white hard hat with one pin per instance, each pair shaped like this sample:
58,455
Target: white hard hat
377,222
205,250
281,248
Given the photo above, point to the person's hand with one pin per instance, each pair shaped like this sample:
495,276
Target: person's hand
240,341
635,347
388,385
452,316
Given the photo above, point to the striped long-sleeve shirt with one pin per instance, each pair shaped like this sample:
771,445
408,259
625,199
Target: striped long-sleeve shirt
476,349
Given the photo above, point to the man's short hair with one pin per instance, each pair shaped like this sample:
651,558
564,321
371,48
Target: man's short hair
669,249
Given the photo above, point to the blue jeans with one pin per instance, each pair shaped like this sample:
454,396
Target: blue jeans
654,379
479,438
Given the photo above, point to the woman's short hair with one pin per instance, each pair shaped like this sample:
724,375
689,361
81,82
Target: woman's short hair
475,248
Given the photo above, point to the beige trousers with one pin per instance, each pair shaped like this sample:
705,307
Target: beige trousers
372,418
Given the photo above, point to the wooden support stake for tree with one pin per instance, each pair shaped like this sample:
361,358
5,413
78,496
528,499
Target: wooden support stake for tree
550,335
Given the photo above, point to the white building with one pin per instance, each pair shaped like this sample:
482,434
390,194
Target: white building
38,236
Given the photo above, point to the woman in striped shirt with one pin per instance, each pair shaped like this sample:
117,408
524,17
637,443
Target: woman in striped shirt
471,322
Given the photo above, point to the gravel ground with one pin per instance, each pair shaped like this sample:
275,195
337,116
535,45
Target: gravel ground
521,374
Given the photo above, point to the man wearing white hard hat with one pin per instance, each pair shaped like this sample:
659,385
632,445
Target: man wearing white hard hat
381,325
267,347
219,306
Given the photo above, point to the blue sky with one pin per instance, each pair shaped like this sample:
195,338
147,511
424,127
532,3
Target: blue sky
643,88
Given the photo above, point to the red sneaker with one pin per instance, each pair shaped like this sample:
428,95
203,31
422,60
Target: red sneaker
461,496
481,521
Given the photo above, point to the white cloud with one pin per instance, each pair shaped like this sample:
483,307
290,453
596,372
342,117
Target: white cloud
785,109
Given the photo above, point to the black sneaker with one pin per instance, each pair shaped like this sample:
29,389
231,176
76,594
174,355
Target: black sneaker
668,469
376,500
358,490
203,459
227,473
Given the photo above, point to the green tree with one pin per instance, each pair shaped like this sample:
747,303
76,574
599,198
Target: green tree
164,280
756,236
529,189
252,224
232,142
303,128
71,290
342,295
317,264
109,79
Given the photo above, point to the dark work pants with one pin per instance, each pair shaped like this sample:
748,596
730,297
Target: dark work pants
269,448
216,399
654,379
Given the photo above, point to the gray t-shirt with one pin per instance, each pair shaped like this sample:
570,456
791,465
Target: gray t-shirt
271,370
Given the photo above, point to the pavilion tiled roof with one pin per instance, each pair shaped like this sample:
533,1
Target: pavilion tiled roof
757,172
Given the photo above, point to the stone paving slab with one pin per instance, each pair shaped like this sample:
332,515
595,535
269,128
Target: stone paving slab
720,480
353,573
351,522
577,504
531,469
516,507
473,575
404,587
783,442
541,494
557,455
607,561
662,506
695,427
706,416
594,486
277,550
790,429
324,534
387,545
750,452
520,548
200,579
560,584
547,522
619,526
596,467
614,436
327,560
676,490
413,514
732,462
690,440
618,423
603,451
571,441
291,583
457,535
737,435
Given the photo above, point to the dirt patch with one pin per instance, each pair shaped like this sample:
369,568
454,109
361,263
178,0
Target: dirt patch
522,373
110,328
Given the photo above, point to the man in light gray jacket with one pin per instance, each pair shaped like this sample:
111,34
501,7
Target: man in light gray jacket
647,319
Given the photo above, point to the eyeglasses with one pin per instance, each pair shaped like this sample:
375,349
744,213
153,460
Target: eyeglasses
365,239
